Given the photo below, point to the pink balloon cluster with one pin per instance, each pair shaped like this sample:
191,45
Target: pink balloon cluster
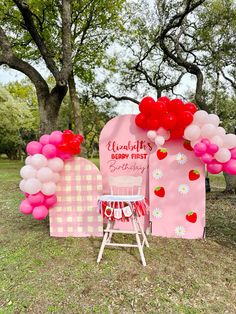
42,172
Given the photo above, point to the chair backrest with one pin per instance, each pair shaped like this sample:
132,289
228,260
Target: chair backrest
125,185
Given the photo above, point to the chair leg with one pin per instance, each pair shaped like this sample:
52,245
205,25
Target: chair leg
138,241
142,232
105,237
111,233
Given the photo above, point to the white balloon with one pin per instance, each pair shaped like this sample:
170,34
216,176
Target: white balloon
200,117
223,155
192,132
218,140
159,140
213,119
208,130
32,186
56,177
22,185
221,131
151,135
163,132
49,188
28,172
44,174
28,160
56,164
229,140
38,161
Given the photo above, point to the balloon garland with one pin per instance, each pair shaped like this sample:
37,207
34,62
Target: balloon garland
167,119
42,170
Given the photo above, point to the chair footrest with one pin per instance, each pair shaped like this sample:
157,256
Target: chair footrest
121,231
122,244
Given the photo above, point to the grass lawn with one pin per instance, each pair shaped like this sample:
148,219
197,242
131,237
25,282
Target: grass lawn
40,274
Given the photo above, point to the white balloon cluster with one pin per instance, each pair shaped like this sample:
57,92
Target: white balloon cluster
159,137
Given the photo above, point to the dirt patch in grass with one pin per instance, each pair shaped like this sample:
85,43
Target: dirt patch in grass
40,274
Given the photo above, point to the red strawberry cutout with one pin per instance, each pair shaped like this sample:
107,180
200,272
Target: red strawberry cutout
191,217
159,191
161,153
194,174
187,145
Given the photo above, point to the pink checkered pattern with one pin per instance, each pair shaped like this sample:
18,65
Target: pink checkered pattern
76,214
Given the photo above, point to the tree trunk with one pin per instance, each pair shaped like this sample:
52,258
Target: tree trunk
78,127
230,183
49,106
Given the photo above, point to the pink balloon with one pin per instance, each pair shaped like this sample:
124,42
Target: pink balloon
208,130
200,117
44,174
40,212
38,161
56,138
49,188
212,149
36,199
56,164
56,177
25,207
214,167
50,200
44,139
192,132
200,147
22,185
205,141
163,132
223,155
233,153
206,158
28,172
34,147
32,186
230,167
49,151
198,154
229,140
64,156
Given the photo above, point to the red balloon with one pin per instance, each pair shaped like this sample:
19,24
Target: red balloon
186,117
79,138
177,133
140,121
146,105
153,124
169,121
63,147
191,107
67,135
160,108
164,99
176,105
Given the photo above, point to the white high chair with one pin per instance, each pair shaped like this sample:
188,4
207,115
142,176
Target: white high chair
124,189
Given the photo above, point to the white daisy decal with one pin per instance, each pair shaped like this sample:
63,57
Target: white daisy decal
183,188
157,174
181,158
179,231
157,213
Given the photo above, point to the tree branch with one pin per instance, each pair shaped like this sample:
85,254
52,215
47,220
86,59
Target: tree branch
66,40
30,25
117,98
229,80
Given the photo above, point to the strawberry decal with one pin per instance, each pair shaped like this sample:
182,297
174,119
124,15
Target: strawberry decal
193,175
159,191
187,145
161,153
191,217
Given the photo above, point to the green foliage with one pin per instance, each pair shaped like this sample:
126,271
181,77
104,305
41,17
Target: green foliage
94,118
18,120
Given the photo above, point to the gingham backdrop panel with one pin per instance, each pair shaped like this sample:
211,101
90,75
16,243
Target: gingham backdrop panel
76,213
